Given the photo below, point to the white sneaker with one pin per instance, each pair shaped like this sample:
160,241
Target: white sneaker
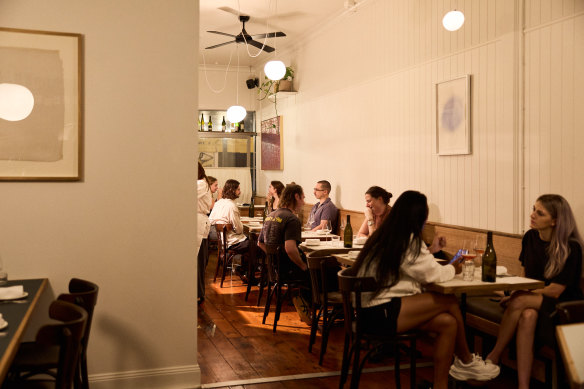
477,369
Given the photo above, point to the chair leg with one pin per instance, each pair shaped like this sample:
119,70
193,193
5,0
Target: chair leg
396,365
413,364
279,301
356,359
263,282
225,260
326,329
219,266
346,362
250,276
313,327
268,301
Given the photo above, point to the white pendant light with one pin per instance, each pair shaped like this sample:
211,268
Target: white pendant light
16,102
453,20
236,113
275,70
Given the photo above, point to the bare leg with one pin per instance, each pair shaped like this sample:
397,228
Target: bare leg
517,304
525,337
444,325
421,308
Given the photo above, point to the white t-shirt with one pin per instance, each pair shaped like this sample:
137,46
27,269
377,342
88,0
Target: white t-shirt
225,211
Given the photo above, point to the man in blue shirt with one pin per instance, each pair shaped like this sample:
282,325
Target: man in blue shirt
323,211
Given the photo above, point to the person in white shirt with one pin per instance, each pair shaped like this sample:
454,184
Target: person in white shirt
399,260
225,211
203,226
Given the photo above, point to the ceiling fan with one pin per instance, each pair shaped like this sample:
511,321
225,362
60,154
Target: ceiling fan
243,37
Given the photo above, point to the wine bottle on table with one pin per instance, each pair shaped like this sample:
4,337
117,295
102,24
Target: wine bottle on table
210,126
265,211
348,236
202,123
223,124
251,208
489,266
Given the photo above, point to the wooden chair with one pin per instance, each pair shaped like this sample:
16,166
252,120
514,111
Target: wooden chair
31,357
327,302
352,288
224,255
65,339
275,283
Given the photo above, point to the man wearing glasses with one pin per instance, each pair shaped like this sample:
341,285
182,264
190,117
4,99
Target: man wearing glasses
324,210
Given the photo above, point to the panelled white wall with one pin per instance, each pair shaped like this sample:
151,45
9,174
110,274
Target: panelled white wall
365,111
554,101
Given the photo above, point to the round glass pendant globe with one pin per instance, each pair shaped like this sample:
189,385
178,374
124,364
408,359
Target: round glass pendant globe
236,113
16,102
275,70
453,20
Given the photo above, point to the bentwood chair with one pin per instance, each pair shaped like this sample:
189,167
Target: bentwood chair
275,282
356,336
64,339
327,302
32,357
224,255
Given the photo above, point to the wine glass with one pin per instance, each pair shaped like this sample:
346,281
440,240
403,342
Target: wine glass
327,228
479,249
309,223
342,226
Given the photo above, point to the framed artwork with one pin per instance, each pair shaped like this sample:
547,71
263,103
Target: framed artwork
46,144
272,150
453,116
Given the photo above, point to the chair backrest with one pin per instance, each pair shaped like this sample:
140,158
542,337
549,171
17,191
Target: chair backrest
67,335
83,294
570,312
352,287
318,266
222,230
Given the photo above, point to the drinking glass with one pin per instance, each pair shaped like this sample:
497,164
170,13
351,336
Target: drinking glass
479,249
336,241
468,270
327,229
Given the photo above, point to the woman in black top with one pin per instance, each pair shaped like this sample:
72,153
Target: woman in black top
552,252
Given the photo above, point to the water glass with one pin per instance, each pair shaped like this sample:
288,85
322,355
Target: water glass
335,241
468,269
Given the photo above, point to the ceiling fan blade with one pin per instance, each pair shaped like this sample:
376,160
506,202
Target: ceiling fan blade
230,10
221,33
268,35
219,45
266,48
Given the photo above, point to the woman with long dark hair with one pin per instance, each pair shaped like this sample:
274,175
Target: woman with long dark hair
396,256
274,193
551,251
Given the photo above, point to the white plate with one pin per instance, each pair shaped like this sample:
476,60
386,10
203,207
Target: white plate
24,295
3,324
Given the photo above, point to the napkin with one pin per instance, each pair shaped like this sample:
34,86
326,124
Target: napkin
501,270
353,254
320,232
11,292
312,242
360,240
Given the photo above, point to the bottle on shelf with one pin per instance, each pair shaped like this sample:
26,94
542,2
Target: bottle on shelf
236,127
210,125
348,236
223,126
251,208
489,266
265,214
202,123
242,126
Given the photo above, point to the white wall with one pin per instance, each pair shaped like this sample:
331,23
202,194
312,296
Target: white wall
364,114
129,225
219,87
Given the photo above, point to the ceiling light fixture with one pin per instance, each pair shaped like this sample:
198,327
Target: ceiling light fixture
275,69
236,113
453,20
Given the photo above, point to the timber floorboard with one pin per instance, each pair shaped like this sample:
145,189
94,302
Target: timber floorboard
235,347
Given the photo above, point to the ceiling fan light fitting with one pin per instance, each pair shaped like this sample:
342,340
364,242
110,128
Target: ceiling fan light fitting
236,113
275,70
453,20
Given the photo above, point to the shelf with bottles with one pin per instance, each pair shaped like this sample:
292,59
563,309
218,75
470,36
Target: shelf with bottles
215,121
282,95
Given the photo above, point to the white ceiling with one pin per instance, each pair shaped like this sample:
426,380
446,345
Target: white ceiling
295,18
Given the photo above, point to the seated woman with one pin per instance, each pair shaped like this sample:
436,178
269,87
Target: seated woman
274,193
376,209
399,260
551,251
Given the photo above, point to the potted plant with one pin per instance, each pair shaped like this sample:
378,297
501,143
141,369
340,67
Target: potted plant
270,87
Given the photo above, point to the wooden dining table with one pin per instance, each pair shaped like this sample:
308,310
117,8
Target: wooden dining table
571,344
17,313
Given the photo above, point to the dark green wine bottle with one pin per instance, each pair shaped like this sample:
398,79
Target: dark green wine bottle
223,125
202,123
489,267
348,236
251,208
210,126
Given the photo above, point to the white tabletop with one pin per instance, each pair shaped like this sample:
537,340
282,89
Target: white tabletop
571,344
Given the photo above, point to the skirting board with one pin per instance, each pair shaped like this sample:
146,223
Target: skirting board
180,377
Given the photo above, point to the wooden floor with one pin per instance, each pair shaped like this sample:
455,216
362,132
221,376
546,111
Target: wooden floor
235,350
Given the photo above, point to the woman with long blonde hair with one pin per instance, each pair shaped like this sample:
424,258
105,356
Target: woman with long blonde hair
551,251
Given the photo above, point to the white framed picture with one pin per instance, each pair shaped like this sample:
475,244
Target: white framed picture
453,116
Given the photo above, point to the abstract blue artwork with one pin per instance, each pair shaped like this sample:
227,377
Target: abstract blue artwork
453,116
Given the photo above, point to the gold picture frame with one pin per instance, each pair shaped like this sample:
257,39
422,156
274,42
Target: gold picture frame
46,145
